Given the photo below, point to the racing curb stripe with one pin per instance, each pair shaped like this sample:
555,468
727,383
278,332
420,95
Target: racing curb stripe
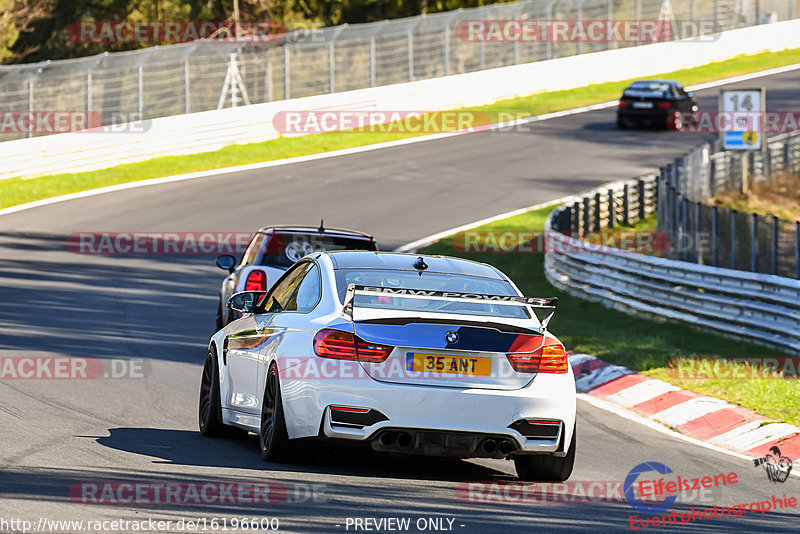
719,422
665,402
697,416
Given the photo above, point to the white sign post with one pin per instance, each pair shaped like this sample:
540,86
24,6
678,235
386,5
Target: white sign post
742,111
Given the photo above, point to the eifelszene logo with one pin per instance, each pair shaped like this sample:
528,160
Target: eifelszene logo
777,467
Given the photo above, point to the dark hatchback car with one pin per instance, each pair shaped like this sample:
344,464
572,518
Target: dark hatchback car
657,103
272,250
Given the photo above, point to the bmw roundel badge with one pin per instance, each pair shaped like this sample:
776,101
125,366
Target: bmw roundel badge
451,337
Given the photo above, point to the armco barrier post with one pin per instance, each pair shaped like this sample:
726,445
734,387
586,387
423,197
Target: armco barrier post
612,209
585,214
642,200
597,210
626,205
733,239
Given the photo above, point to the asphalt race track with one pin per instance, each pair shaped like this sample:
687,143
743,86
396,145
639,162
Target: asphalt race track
59,434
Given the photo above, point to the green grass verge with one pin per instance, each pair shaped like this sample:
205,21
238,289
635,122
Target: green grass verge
640,344
16,191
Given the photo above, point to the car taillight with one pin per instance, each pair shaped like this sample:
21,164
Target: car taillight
664,105
623,104
256,281
549,358
330,343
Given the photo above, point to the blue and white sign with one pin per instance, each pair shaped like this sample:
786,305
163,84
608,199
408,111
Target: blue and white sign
743,110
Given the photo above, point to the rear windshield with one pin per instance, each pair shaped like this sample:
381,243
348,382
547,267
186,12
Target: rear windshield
282,250
429,282
649,89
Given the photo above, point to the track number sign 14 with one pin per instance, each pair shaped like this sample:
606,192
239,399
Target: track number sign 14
743,110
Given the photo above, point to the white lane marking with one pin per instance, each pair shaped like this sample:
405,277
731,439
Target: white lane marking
425,241
365,148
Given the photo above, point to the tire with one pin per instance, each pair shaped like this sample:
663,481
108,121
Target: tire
273,439
546,467
621,124
209,411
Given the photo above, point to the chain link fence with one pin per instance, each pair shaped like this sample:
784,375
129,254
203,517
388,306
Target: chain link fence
197,76
719,236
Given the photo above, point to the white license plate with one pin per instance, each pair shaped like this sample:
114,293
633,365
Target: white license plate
643,105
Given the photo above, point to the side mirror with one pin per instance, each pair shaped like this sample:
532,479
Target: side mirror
226,262
690,94
245,302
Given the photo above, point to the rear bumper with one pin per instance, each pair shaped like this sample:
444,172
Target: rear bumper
482,413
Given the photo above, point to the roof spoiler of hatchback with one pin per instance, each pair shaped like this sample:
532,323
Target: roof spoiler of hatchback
548,304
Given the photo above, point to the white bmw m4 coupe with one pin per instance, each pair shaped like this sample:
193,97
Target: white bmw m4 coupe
425,355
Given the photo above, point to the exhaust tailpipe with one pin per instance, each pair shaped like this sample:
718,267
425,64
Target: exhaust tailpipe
387,439
506,446
489,446
403,439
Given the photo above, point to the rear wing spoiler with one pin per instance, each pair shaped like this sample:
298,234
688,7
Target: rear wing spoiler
548,304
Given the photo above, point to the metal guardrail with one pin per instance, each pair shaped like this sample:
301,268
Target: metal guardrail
184,78
762,308
724,237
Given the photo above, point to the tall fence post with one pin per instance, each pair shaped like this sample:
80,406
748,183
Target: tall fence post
714,214
797,250
140,92
549,43
753,241
331,67
286,73
410,56
187,102
89,90
30,101
697,251
372,74
774,245
447,50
